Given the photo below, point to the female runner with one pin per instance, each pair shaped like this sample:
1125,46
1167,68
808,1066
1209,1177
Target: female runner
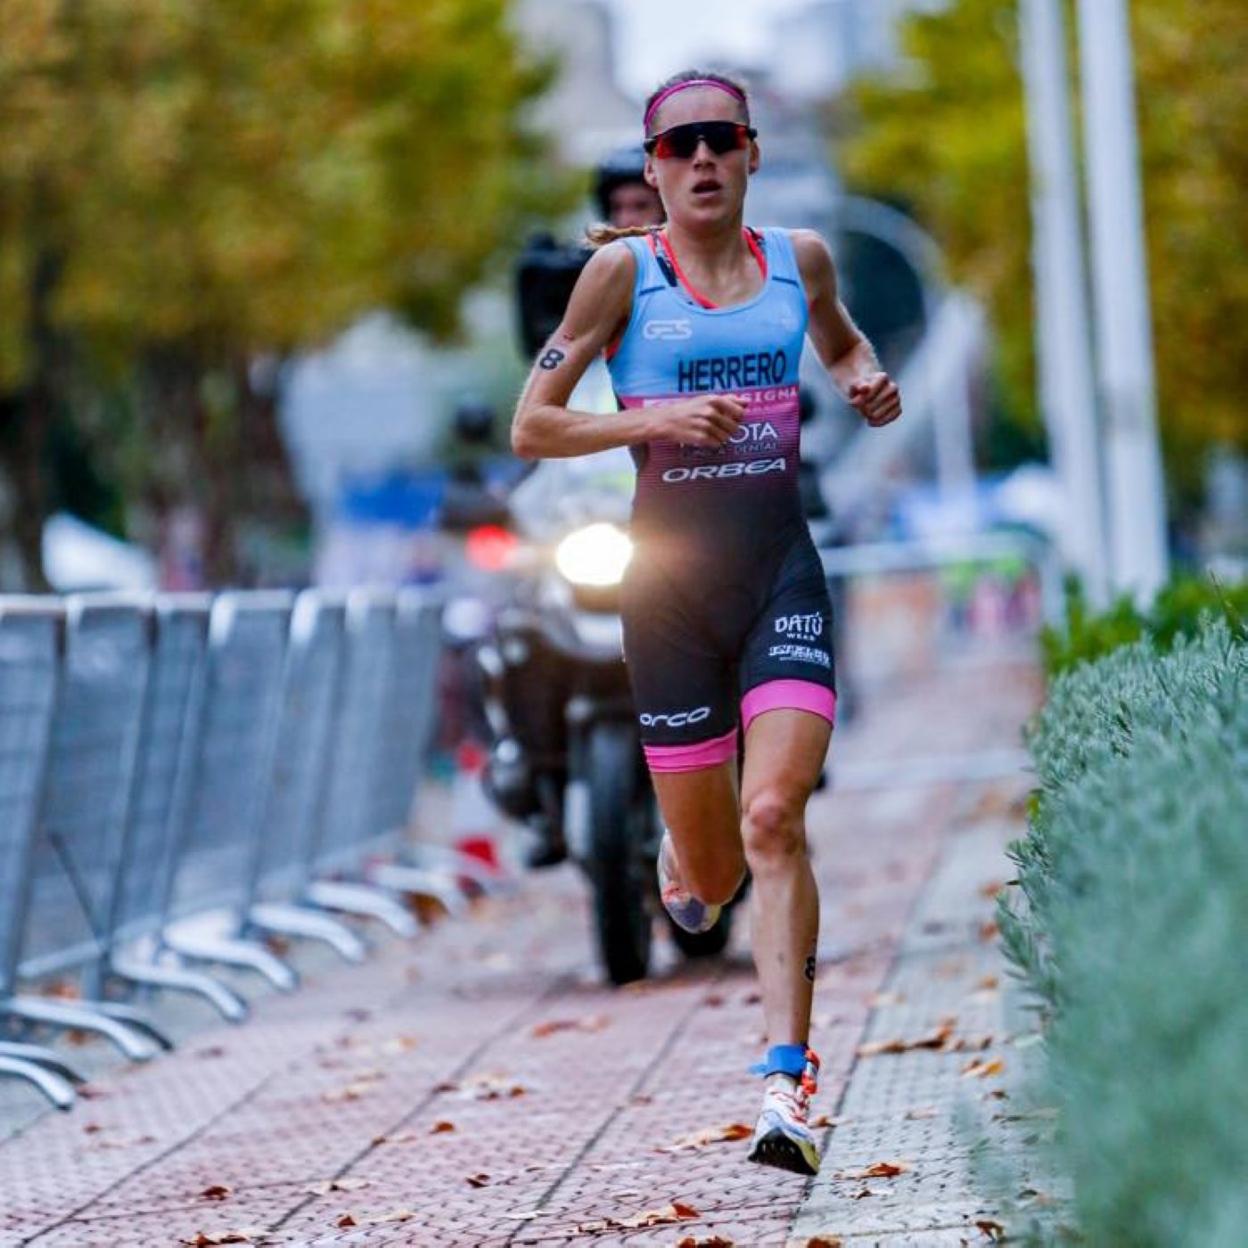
726,615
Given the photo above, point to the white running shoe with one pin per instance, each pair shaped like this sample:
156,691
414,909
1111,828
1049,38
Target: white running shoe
686,910
782,1137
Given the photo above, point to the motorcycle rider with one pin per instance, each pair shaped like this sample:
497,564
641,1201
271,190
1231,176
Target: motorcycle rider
726,612
561,493
548,500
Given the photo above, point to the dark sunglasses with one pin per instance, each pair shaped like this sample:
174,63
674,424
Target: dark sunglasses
680,142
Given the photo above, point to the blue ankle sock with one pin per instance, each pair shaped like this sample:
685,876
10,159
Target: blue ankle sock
782,1059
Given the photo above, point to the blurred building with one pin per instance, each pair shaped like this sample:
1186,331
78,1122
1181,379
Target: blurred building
585,108
817,50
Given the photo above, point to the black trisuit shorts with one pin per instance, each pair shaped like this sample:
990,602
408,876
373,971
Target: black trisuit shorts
708,651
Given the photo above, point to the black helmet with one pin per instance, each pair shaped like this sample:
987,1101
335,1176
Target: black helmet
618,168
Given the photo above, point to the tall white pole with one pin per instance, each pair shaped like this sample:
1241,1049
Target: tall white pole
1120,283
1063,335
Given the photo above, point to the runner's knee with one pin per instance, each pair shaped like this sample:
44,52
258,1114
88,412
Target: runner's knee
772,828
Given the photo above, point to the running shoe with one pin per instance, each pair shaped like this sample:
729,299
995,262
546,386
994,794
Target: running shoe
686,910
782,1137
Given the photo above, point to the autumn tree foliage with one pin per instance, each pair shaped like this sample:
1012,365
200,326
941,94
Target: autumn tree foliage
189,190
947,137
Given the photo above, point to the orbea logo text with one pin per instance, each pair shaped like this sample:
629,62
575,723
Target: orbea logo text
737,468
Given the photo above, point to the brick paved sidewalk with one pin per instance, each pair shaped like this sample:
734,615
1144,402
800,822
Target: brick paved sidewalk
479,1087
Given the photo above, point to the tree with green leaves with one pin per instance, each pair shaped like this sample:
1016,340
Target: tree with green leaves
189,191
947,138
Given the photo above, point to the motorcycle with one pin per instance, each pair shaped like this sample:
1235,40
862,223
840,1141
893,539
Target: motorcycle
566,756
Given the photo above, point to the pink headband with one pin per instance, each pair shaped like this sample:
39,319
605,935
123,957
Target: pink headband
681,86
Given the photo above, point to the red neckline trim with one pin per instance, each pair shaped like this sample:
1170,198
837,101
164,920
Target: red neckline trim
698,297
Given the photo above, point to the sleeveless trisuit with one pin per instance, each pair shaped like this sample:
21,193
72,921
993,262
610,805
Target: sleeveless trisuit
725,606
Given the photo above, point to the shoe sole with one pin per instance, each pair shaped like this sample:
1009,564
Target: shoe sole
699,930
777,1150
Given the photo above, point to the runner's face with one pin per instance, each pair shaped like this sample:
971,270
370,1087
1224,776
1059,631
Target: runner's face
706,189
634,204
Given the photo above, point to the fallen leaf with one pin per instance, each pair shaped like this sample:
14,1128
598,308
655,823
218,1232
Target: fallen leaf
336,1185
708,1135
595,1022
829,1120
399,1137
89,1092
248,1235
866,1191
991,889
989,930
218,1191
346,1221
491,1088
938,1039
822,1241
714,1000
395,1215
979,1069
997,1094
448,1085
477,1180
441,1127
924,1111
705,1241
994,1230
90,1128
879,1170
641,1098
399,1044
988,983
351,1092
677,1211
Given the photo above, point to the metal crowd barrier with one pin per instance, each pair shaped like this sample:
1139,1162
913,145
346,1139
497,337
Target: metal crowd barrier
182,778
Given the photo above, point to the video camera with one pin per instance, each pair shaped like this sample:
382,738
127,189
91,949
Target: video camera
545,275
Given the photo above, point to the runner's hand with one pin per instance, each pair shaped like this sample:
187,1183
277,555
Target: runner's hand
876,396
708,420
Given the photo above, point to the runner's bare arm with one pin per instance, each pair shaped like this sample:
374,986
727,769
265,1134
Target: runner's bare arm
841,345
544,427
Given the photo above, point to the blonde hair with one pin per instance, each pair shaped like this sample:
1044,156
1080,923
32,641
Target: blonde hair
602,234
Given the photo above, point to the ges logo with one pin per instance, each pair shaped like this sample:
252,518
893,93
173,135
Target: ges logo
674,330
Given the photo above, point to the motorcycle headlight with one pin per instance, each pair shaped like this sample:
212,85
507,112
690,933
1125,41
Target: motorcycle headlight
595,555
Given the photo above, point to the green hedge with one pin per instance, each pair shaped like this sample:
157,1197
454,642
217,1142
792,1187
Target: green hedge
1132,929
1176,612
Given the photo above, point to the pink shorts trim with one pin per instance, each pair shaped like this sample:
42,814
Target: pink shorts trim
693,757
788,695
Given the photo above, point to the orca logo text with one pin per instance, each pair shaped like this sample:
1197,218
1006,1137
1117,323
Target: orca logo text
680,719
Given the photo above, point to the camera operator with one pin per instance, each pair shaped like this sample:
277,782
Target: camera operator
561,492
